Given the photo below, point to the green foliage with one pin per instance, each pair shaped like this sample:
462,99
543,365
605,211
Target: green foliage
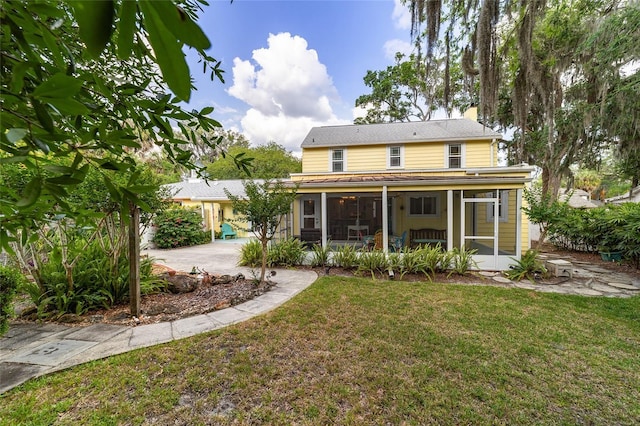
345,256
527,267
79,82
264,206
100,278
179,227
372,262
462,260
10,280
270,161
289,252
543,210
320,256
251,254
609,228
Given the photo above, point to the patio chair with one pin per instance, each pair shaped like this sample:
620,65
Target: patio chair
227,231
399,243
377,239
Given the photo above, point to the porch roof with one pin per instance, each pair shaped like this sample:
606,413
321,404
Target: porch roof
407,132
403,180
202,190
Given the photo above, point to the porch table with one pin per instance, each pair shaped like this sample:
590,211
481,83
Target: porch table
356,231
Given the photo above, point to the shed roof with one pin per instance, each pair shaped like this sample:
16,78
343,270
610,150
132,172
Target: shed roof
461,129
212,190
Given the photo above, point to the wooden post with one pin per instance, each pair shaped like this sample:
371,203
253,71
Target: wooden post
134,259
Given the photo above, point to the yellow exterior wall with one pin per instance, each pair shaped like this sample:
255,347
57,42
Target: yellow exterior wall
222,212
429,155
478,154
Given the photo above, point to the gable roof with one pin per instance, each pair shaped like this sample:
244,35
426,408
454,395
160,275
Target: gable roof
201,190
410,132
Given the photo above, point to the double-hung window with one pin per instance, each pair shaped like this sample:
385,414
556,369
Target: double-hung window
338,160
425,205
395,157
455,153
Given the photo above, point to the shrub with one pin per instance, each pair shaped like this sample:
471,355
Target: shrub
527,267
10,280
320,255
179,227
289,252
372,262
100,279
462,260
251,254
345,257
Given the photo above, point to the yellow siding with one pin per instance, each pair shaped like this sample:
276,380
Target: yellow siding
315,160
478,154
417,156
424,156
361,159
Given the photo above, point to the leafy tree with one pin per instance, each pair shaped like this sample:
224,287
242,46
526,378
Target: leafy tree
410,90
587,180
85,80
264,207
271,161
556,70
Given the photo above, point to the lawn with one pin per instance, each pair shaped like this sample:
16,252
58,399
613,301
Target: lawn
356,351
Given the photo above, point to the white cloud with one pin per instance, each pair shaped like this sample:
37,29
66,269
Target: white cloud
396,45
288,90
401,15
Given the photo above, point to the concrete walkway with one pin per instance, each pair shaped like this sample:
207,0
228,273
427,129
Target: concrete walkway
33,350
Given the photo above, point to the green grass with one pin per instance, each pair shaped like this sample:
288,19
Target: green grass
356,351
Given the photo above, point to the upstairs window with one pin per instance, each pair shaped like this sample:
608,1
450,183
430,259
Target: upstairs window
395,157
454,156
337,160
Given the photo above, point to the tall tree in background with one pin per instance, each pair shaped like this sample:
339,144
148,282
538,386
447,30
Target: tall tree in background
554,69
271,161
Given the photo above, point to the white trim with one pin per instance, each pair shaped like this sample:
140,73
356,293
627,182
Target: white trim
323,217
344,159
401,155
463,155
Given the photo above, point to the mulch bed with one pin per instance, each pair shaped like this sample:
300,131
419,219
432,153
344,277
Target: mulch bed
209,297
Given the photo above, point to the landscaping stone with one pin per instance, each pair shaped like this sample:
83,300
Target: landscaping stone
181,283
604,288
624,286
501,279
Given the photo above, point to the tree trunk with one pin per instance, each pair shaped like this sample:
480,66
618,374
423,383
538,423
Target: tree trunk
263,270
134,260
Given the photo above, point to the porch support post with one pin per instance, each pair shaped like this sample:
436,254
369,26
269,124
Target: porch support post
212,222
323,217
519,225
385,220
450,219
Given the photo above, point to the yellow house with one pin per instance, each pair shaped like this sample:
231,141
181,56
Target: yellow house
212,201
432,181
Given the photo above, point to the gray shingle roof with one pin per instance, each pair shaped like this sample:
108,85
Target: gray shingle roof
213,190
416,131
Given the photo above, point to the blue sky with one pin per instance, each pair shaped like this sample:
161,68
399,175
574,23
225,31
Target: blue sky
292,65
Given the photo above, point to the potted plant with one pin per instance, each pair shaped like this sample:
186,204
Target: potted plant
608,249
